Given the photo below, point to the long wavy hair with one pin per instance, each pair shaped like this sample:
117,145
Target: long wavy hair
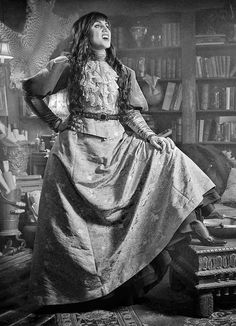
81,51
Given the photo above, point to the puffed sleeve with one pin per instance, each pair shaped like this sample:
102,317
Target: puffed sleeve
132,116
48,81
137,99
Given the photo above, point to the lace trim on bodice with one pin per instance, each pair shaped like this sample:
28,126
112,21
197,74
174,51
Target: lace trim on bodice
100,88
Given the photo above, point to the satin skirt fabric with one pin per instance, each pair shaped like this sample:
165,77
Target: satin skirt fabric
108,208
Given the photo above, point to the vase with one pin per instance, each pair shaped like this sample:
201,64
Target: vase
138,33
17,155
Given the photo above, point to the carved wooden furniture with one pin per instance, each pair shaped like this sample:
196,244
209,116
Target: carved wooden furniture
206,272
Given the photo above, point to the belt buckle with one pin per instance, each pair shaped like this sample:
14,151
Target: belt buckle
103,116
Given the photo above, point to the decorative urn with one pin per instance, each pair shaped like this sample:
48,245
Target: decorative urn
138,33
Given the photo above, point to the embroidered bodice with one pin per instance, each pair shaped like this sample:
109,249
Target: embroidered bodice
100,88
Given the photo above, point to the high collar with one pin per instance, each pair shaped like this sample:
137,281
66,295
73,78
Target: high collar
100,55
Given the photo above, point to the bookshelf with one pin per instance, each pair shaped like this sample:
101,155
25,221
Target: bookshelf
158,56
195,62
216,94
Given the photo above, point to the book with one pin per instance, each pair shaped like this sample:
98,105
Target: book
179,130
204,97
200,131
206,130
158,67
178,99
163,68
28,177
199,73
174,97
205,39
168,96
197,99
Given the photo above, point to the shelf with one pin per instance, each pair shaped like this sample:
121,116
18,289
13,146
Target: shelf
173,80
149,49
218,143
225,47
217,112
166,80
216,79
162,112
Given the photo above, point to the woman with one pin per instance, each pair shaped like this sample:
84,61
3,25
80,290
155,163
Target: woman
114,192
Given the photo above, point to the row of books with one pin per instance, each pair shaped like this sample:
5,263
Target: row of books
173,97
170,34
169,67
215,97
214,66
218,129
164,67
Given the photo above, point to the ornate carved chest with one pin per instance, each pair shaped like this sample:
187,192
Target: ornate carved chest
207,272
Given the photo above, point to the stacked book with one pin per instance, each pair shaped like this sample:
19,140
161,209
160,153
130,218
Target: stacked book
29,183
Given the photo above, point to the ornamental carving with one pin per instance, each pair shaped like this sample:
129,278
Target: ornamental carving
217,262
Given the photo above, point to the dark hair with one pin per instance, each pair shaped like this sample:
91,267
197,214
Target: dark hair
81,52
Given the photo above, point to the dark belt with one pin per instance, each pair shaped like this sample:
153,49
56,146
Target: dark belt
97,116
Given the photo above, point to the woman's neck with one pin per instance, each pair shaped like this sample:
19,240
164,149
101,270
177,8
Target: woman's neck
99,54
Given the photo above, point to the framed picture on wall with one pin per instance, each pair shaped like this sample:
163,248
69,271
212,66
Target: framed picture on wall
3,92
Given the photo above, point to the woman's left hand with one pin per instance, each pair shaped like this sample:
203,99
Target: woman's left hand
162,143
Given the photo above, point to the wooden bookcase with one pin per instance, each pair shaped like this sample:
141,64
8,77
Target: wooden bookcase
163,58
186,52
217,92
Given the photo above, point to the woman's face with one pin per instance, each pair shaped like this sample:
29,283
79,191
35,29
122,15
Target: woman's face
100,35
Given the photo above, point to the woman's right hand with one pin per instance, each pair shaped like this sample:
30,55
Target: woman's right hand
162,143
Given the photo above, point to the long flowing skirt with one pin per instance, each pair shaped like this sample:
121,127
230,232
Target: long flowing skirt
107,209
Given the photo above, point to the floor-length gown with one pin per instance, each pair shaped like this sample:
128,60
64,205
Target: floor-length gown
110,201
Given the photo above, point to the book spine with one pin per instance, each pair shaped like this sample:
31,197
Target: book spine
204,97
158,67
163,68
207,129
179,130
168,96
178,101
200,133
